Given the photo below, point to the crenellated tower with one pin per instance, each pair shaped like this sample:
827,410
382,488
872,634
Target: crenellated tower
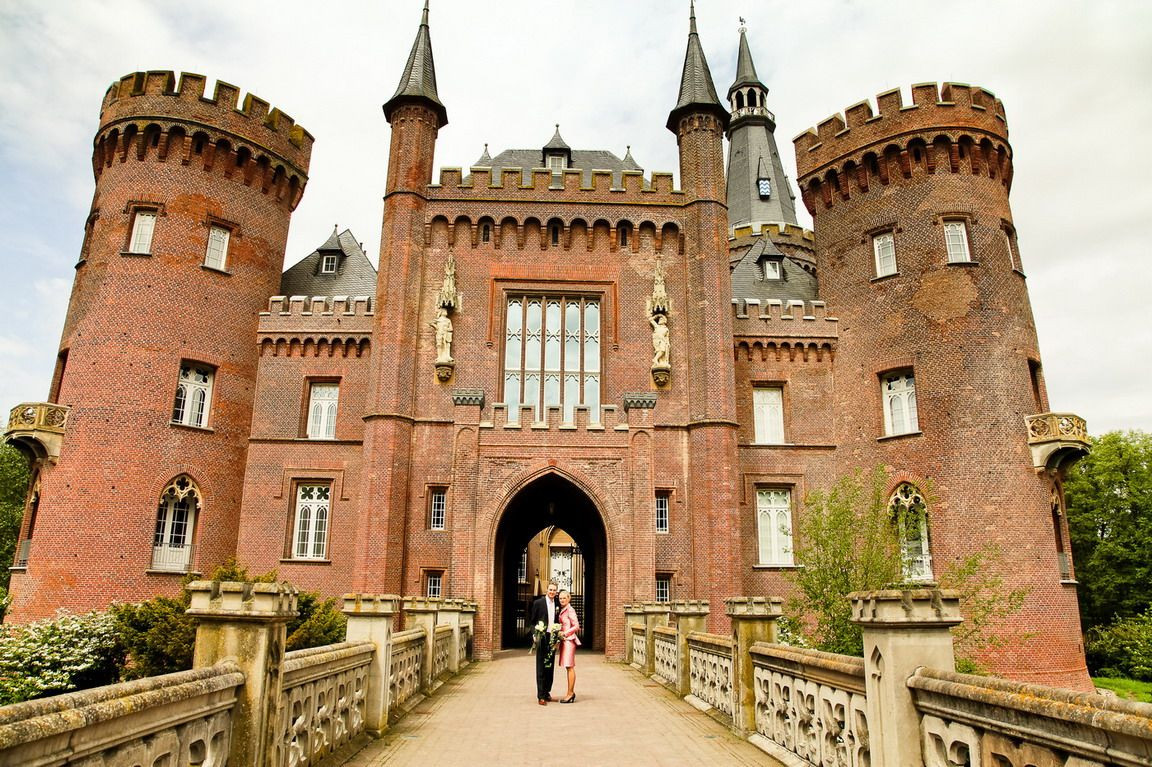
157,363
938,369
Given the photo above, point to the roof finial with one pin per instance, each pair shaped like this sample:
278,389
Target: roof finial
743,28
691,17
424,18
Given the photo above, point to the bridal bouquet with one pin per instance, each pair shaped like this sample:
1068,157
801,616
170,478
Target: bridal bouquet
549,633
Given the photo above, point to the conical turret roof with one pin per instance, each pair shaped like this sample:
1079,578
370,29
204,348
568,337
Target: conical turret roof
697,91
418,83
485,160
745,68
557,143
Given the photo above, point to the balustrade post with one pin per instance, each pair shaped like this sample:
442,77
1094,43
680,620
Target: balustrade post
689,616
370,619
753,620
421,612
449,615
903,629
245,623
633,616
655,614
468,627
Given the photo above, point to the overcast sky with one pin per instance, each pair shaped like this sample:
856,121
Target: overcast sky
1075,78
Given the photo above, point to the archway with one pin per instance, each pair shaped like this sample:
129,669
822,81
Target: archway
574,533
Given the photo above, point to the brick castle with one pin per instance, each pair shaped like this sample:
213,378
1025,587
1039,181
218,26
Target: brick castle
565,367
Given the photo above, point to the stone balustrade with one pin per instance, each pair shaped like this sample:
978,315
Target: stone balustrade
247,703
902,705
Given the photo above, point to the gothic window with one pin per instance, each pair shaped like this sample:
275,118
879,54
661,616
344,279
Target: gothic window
437,508
193,395
956,241
1064,561
768,415
663,498
143,225
552,355
910,515
175,523
624,229
323,400
774,526
310,533
899,393
217,254
884,249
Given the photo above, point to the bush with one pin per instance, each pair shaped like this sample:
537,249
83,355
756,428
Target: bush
157,635
1123,648
319,622
50,657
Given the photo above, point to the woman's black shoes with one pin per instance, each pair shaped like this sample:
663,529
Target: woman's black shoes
569,700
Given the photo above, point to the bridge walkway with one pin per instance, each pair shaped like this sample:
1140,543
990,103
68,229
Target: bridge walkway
488,715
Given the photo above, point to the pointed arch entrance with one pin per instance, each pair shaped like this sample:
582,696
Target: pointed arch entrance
574,545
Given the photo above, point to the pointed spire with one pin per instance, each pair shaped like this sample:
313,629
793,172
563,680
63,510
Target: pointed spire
629,162
333,241
418,83
745,69
557,143
697,91
485,160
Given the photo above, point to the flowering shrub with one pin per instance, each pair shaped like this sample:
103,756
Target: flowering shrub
1123,648
53,656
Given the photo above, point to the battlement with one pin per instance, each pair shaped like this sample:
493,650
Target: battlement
319,306
146,96
510,184
951,106
313,326
775,231
774,317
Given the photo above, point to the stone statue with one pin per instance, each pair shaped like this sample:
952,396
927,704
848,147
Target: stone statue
661,345
443,326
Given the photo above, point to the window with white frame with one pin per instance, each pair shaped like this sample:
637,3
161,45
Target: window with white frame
433,585
1010,246
313,513
328,264
143,225
323,400
884,249
663,587
217,254
556,163
175,522
774,525
909,513
522,568
193,395
768,415
437,508
662,507
899,393
552,355
771,268
956,241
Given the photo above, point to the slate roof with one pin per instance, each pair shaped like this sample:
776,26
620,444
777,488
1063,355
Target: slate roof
586,160
355,275
745,68
748,276
697,91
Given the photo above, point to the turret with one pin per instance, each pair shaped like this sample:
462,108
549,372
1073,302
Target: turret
184,244
758,190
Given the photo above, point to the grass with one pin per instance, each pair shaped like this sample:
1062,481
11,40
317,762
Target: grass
1126,688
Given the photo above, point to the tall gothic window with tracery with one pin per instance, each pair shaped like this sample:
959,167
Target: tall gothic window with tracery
552,355
175,523
909,513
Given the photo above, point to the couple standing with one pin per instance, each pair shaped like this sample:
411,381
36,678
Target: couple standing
555,609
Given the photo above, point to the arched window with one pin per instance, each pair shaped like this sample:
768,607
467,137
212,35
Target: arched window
175,523
485,232
624,230
909,513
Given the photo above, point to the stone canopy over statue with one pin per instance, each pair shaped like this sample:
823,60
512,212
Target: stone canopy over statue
658,309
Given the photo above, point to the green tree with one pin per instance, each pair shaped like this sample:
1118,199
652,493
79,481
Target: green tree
14,477
1108,496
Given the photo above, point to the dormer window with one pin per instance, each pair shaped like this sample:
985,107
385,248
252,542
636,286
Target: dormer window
328,264
556,164
764,187
771,268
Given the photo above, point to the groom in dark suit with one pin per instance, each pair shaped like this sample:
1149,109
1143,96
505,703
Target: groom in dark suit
544,610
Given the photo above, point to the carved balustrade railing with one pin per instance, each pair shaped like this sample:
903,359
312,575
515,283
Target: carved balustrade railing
181,718
811,704
975,720
711,670
441,651
406,667
639,647
322,700
40,416
465,643
664,651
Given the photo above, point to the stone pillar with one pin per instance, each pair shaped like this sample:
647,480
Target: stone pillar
421,612
245,623
753,620
633,616
903,629
689,616
655,614
468,621
449,615
370,619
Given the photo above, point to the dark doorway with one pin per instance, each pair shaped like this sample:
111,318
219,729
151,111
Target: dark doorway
575,532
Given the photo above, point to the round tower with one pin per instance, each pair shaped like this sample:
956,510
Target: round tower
182,249
938,365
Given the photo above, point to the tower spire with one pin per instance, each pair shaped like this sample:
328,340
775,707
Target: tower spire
697,91
745,68
418,83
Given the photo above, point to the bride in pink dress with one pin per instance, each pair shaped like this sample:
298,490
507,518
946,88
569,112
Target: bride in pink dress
569,626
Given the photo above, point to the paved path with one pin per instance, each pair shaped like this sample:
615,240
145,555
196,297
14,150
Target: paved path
489,716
